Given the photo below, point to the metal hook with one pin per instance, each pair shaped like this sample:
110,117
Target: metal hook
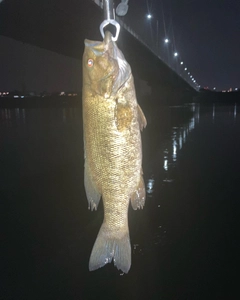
109,16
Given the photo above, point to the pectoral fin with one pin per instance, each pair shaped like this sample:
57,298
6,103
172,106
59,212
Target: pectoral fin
138,197
123,116
93,195
141,118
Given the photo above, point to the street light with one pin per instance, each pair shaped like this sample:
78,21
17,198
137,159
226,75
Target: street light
149,16
185,69
175,54
166,41
181,62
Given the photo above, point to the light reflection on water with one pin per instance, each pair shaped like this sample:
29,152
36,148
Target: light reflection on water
235,111
213,112
9,116
169,153
172,147
216,109
172,238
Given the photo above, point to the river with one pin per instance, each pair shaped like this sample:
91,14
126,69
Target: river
185,242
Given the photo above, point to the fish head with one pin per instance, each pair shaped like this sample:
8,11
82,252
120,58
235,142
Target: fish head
105,69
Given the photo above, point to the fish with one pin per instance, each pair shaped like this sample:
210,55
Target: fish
112,121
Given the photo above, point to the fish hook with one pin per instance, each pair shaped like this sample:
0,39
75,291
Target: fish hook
109,18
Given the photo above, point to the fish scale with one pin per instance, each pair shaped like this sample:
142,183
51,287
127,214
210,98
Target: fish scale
112,121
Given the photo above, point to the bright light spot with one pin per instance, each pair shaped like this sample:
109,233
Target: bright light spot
180,141
192,124
188,73
165,166
181,62
174,150
214,88
190,76
175,54
236,89
185,69
166,41
149,16
150,184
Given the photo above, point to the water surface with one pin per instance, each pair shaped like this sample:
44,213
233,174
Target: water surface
185,242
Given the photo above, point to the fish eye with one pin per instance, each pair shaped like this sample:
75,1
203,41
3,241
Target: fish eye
90,62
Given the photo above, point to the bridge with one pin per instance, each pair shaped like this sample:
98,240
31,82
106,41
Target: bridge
61,26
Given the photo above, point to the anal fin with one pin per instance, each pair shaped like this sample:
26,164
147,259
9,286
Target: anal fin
139,195
141,118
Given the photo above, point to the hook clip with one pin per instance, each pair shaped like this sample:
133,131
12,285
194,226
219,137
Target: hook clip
109,16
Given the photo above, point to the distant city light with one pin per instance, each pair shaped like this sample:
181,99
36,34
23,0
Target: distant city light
236,89
166,41
149,16
214,88
175,54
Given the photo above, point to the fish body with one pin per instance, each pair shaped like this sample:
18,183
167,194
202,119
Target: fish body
112,120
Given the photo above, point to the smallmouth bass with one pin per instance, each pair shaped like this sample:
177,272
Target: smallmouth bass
112,120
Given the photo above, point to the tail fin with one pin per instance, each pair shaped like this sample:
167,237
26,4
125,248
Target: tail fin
108,247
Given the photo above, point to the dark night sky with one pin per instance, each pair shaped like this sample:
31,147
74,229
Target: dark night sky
205,33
